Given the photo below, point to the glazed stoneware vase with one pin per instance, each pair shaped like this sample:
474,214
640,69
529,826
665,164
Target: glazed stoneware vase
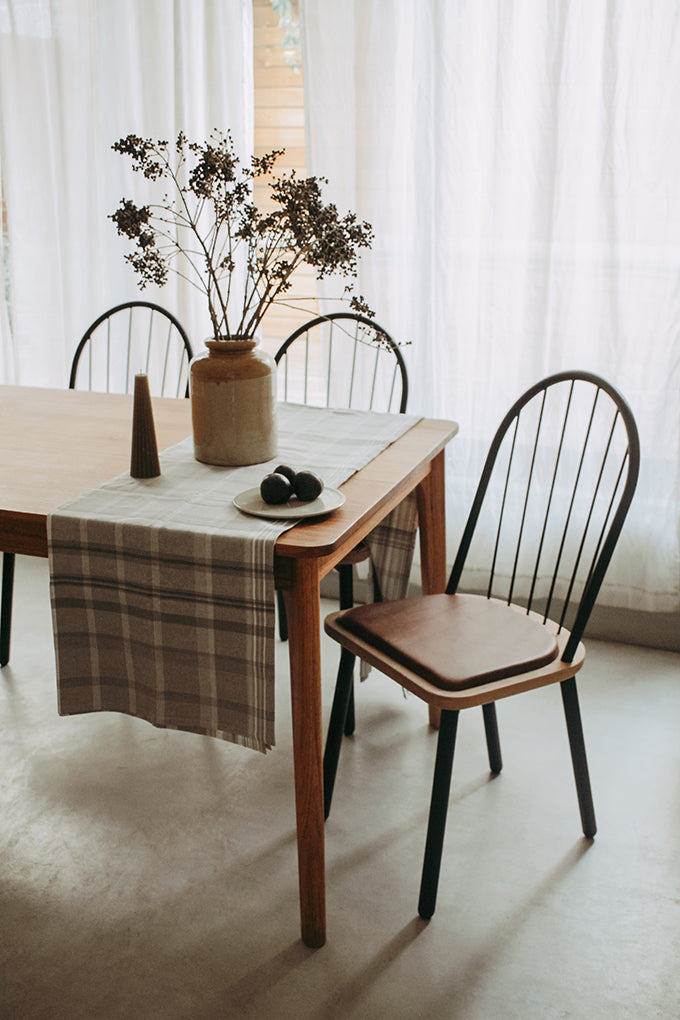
233,403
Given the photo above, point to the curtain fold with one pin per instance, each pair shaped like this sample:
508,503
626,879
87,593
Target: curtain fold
519,163
5,332
76,75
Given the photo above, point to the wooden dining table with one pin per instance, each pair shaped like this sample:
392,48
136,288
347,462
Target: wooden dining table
57,444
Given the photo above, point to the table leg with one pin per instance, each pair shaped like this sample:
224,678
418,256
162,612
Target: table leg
432,524
304,650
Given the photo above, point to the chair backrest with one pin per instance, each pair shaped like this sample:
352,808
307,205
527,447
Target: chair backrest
137,336
343,359
552,498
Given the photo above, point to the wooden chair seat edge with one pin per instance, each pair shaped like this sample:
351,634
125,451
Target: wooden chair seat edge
456,641
554,672
358,554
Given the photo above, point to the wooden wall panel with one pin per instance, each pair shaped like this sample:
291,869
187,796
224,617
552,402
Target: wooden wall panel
280,123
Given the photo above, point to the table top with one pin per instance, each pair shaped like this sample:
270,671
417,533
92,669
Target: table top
58,444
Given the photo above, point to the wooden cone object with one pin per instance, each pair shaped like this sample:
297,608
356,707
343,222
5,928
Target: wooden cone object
144,461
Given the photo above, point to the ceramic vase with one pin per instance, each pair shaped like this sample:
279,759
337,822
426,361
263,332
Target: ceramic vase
233,403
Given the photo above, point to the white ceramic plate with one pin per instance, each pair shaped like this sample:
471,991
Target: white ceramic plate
251,502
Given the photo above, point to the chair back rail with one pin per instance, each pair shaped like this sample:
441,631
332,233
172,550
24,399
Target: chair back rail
560,472
343,359
136,336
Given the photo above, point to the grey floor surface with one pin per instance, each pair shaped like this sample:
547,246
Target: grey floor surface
152,874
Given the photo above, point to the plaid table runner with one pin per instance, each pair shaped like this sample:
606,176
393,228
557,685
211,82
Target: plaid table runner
163,593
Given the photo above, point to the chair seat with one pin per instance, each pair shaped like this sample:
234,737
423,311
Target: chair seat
455,641
358,554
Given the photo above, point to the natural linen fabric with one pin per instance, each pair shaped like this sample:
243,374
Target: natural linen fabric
75,76
163,593
519,162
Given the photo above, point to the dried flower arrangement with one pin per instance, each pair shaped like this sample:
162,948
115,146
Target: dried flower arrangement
209,231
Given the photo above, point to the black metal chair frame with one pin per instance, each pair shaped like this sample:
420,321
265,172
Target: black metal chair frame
593,570
173,322
386,342
6,606
345,569
8,559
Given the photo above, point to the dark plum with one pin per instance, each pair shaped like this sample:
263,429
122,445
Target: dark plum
283,469
276,488
307,486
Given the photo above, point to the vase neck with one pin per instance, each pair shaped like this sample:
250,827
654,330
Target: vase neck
233,346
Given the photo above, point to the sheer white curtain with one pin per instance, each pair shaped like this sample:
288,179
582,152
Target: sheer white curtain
76,75
519,161
5,335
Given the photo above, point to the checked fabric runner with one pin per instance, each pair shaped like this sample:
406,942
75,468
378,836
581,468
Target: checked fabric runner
162,592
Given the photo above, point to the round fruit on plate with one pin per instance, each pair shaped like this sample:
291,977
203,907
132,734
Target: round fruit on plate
307,486
284,469
276,488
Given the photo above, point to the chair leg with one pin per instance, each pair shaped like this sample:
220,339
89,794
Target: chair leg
336,725
441,786
346,576
492,741
283,619
578,756
377,590
6,606
350,718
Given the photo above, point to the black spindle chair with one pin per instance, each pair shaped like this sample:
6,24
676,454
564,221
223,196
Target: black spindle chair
137,336
151,340
554,492
342,359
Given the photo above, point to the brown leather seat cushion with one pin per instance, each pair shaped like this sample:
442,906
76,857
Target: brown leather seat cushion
455,641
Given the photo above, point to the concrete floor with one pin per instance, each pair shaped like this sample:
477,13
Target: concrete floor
151,874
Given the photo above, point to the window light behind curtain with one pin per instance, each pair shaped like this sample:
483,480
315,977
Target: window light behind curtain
76,75
519,161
